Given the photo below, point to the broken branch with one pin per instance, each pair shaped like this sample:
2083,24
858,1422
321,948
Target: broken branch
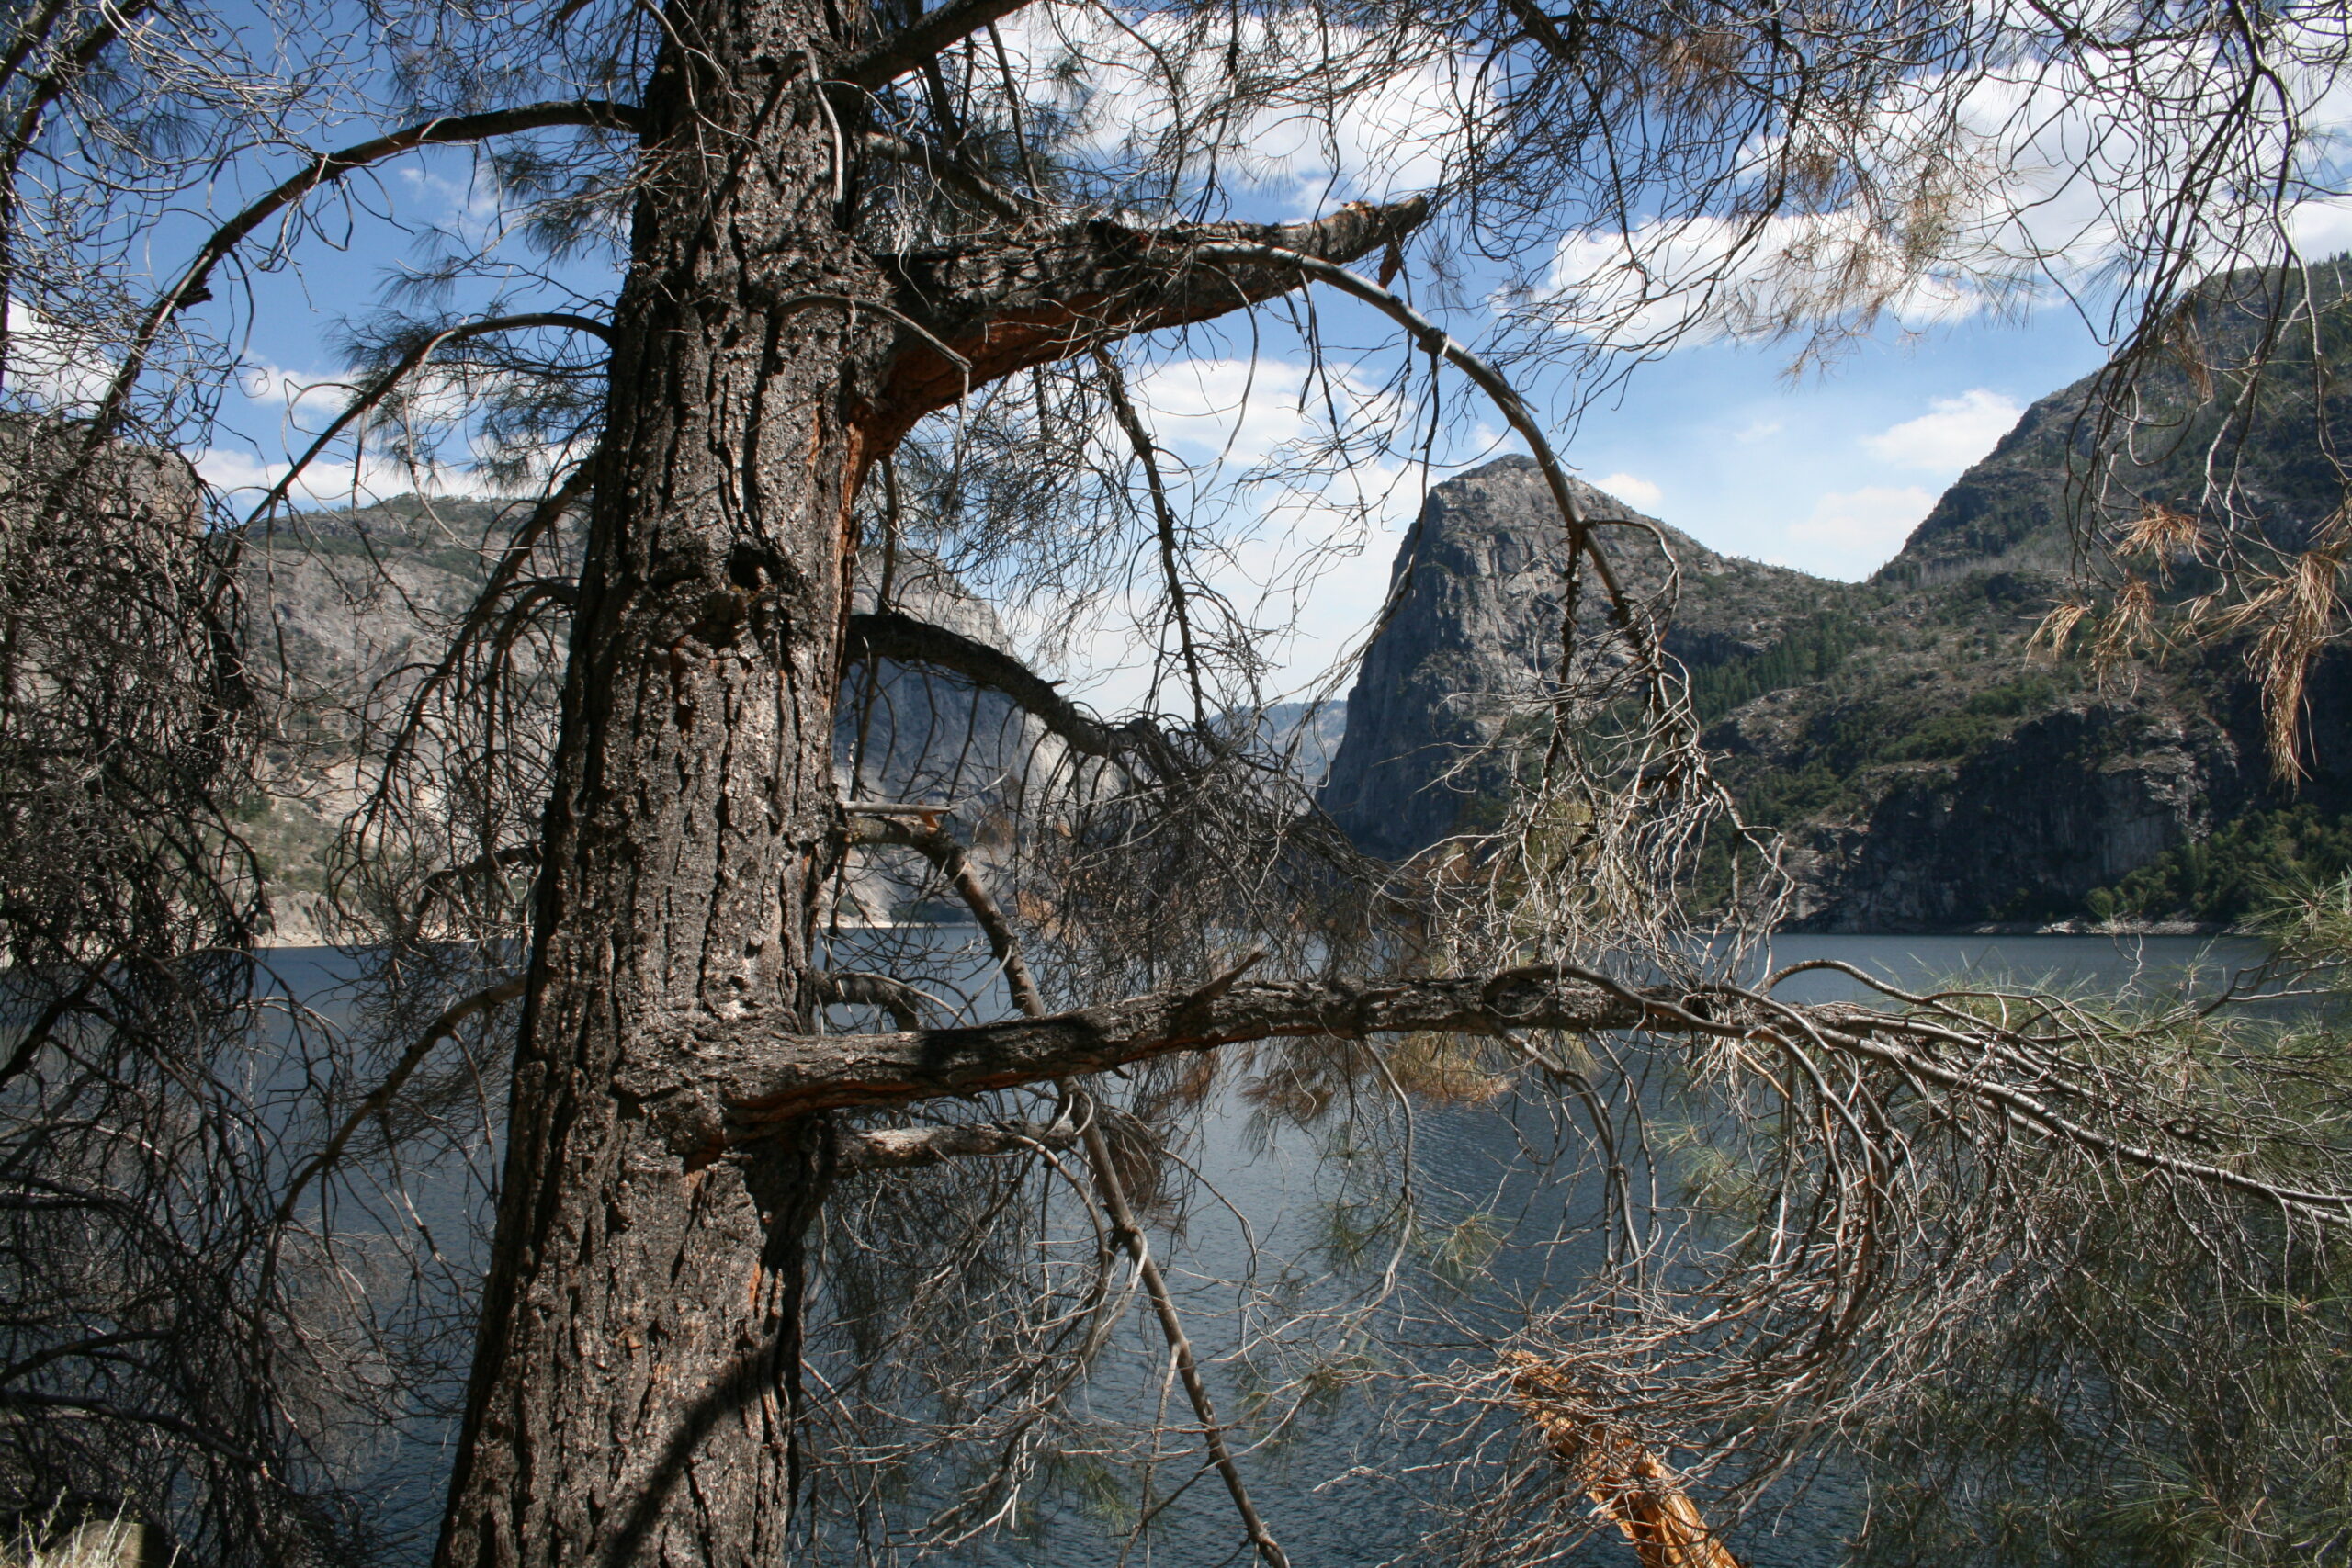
927,39
987,311
1630,1487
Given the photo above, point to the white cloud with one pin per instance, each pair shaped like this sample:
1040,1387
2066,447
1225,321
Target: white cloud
471,209
304,405
1632,488
1761,430
1959,431
47,362
1707,279
1303,543
1204,410
244,478
1125,82
238,472
307,402
1851,533
2033,183
1247,412
2321,228
1382,145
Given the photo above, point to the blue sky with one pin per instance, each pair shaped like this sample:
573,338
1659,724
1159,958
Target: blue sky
1829,472
1825,471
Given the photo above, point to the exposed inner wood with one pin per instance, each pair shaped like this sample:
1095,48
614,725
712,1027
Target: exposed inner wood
1630,1487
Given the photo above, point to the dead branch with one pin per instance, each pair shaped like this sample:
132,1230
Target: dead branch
1180,1344
721,1081
1630,1486
1163,514
326,169
930,840
906,640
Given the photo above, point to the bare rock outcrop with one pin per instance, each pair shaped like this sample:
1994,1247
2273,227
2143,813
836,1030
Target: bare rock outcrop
1472,635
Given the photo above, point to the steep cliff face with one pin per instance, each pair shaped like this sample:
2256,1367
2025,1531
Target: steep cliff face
344,610
342,613
1929,773
2018,822
336,603
1984,784
2081,788
1472,634
2024,828
2263,434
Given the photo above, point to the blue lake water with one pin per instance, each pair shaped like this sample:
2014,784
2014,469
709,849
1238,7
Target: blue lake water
2099,962
1367,1482
1351,1485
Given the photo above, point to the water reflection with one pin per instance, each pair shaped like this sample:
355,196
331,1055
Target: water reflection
1352,1487
2152,966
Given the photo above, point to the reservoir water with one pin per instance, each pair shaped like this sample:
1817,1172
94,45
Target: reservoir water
1373,1478
1366,1477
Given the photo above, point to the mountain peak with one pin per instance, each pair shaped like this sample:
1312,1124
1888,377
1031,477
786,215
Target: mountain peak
2023,505
1473,633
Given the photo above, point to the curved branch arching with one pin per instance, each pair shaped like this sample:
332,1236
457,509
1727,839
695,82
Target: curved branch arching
906,640
369,396
47,90
326,169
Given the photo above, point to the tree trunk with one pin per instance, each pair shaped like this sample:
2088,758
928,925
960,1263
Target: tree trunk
633,1385
634,1382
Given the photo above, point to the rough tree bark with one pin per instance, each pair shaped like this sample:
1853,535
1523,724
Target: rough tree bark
630,1389
632,1393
